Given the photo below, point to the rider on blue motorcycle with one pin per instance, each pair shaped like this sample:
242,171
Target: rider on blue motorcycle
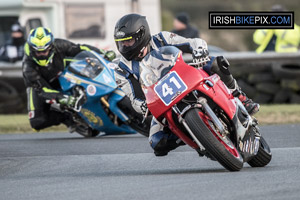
45,58
134,42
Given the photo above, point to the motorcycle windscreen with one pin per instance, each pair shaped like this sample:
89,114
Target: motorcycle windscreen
157,64
86,64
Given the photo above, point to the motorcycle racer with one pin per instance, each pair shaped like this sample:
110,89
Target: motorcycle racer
44,59
134,42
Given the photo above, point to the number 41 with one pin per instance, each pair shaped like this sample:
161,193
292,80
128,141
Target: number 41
167,90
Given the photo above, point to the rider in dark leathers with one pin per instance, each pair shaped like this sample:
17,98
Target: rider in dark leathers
44,60
134,42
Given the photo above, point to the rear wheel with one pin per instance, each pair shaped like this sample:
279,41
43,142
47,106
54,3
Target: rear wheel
263,156
92,133
223,150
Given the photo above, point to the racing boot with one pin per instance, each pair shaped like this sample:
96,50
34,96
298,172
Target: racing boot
251,107
221,67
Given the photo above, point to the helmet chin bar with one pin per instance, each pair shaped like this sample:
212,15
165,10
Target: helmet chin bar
43,62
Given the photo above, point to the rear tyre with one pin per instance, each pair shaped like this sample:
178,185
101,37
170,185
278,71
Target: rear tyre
229,157
263,156
92,133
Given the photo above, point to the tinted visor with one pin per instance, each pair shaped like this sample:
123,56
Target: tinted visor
41,54
130,42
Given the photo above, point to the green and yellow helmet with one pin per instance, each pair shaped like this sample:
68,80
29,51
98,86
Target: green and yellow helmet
40,46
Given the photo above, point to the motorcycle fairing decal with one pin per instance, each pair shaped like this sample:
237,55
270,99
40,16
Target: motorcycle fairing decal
170,87
91,90
105,78
91,117
78,80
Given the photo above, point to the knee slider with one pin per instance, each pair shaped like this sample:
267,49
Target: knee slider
38,122
158,140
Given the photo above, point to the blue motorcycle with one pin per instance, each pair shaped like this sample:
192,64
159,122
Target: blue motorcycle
101,106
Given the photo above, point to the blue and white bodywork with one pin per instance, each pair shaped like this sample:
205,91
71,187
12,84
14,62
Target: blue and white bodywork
94,76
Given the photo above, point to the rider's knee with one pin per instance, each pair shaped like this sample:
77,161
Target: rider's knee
38,121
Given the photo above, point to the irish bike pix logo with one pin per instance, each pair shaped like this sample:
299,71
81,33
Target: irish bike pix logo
251,20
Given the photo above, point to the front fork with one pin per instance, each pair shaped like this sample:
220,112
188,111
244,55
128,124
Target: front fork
202,102
183,122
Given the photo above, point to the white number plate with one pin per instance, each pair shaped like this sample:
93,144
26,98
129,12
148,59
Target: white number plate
169,88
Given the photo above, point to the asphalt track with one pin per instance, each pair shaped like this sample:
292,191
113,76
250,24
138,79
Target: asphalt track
65,166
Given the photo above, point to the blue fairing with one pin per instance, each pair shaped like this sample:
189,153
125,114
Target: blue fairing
96,75
68,80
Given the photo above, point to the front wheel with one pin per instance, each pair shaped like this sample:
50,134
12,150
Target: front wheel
224,152
263,156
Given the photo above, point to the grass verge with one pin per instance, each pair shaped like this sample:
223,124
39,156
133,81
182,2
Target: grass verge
268,114
19,123
279,114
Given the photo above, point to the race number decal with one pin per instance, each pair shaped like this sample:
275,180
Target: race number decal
169,88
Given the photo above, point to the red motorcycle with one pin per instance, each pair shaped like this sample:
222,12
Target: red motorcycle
201,110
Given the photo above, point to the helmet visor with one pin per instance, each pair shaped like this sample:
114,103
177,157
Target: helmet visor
131,43
44,53
126,44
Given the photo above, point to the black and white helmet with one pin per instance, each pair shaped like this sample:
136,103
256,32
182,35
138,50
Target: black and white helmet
132,35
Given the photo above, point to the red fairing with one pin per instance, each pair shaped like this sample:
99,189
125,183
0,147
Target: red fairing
194,79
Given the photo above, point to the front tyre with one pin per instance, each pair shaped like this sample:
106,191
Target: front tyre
225,153
263,156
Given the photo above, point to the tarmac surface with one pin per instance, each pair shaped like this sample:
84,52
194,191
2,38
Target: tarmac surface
67,166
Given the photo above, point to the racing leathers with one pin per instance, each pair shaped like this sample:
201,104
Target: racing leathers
127,77
43,86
